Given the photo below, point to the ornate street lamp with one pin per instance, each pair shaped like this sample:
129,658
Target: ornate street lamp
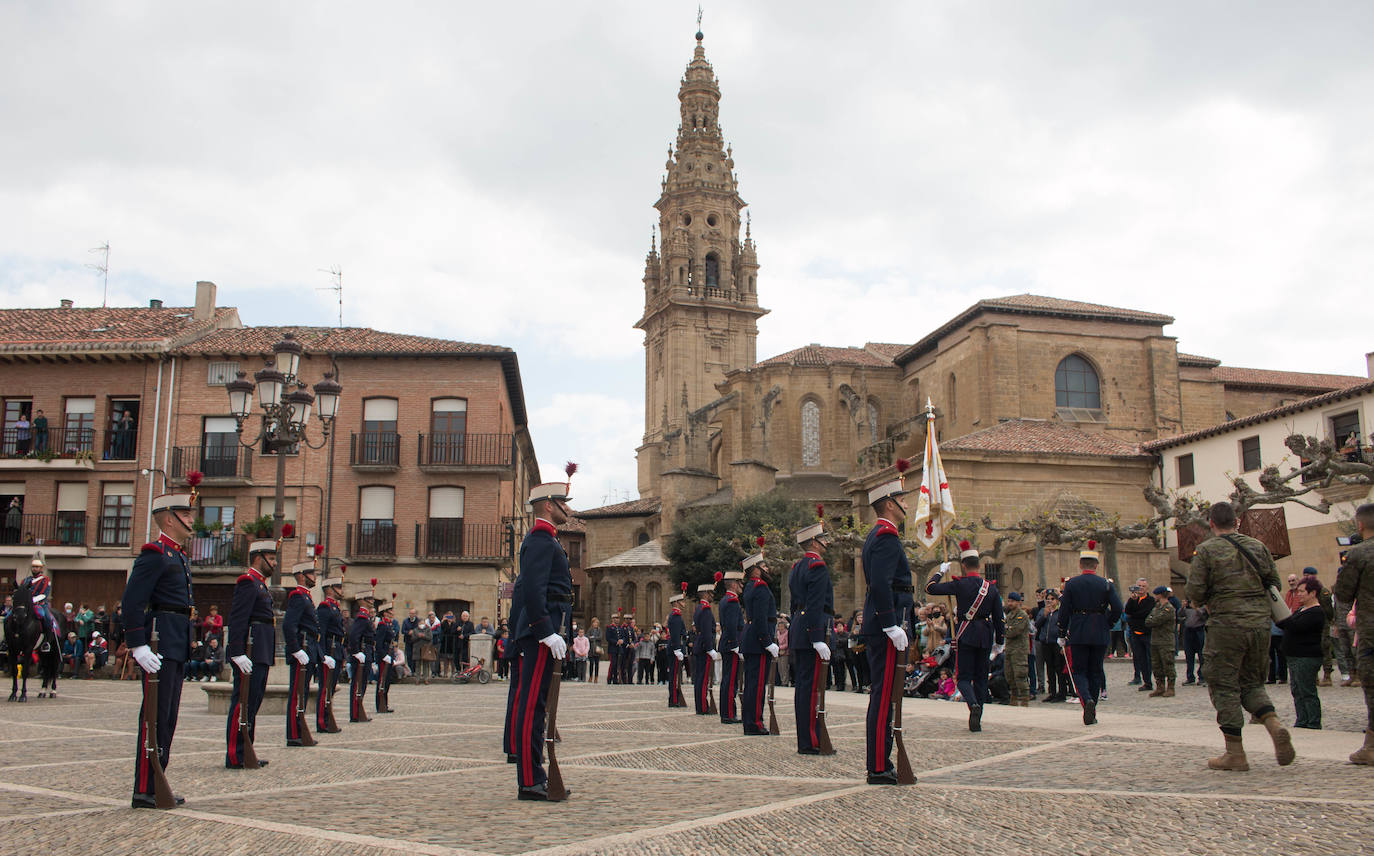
286,403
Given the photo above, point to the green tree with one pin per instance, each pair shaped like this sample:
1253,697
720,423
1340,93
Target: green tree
717,539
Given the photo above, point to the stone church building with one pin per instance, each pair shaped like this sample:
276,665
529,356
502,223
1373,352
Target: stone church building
1042,404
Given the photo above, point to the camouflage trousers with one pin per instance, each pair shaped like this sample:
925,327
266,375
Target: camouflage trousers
1016,668
1162,663
1364,666
1235,664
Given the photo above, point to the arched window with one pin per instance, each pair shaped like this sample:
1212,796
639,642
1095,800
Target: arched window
873,422
642,538
712,270
627,598
1075,384
811,434
653,603
603,600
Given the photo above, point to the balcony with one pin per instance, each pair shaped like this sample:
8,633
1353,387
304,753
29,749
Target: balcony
374,450
61,448
45,531
371,539
222,463
121,444
453,541
445,452
218,549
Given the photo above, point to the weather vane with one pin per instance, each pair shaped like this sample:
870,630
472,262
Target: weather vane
698,17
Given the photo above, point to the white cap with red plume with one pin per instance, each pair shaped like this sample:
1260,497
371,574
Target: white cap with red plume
896,487
967,551
677,596
755,559
1090,552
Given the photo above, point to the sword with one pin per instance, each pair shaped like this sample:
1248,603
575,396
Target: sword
162,789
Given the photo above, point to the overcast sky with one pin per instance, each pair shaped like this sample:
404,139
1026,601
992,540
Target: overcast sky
486,172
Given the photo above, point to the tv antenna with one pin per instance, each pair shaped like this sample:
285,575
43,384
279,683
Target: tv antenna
337,287
104,269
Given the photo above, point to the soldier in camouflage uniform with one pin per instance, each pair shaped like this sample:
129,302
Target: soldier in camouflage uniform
1230,578
1017,654
1355,584
1161,624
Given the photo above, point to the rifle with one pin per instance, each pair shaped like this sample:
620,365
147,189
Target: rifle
307,739
710,686
772,681
357,688
250,757
556,791
904,774
162,789
822,732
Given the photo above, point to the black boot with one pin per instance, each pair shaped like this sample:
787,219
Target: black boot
975,718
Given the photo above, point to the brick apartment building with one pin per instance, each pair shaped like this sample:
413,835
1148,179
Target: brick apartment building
420,483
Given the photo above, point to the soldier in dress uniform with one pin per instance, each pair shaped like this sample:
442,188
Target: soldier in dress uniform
362,640
332,655
677,632
979,626
813,599
731,636
887,607
759,644
1161,624
386,641
158,597
1088,609
252,647
704,653
300,630
40,591
543,591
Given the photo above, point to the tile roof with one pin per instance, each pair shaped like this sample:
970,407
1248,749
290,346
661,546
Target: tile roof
1033,304
886,350
1195,360
573,524
105,329
646,555
1264,416
633,508
825,355
338,341
1264,378
1043,437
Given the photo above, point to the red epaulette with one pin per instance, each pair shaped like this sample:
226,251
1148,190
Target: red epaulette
151,546
886,529
759,583
249,577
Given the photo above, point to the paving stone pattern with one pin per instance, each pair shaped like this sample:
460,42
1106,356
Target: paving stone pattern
431,779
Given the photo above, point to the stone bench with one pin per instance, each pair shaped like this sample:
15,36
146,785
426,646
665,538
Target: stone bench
273,702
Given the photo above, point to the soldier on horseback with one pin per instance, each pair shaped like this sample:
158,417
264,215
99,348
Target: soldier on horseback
39,588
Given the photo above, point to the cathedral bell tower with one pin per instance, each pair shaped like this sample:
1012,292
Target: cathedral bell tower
701,304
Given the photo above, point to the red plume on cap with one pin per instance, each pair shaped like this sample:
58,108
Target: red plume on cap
684,586
820,511
393,595
319,549
287,530
903,465
759,540
570,468
374,582
194,477
1092,545
343,569
719,576
964,545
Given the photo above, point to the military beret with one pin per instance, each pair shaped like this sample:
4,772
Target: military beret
1309,570
1161,590
1016,595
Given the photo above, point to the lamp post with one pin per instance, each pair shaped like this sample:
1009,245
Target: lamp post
286,406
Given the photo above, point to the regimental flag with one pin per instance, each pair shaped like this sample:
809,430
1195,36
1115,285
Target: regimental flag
934,504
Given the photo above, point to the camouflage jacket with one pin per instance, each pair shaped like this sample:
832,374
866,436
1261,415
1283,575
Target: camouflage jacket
1229,586
1018,629
1161,624
1355,583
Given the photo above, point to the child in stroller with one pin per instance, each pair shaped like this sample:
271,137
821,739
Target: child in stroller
924,679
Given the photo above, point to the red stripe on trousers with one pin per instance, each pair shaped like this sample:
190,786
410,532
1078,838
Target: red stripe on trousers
526,735
888,677
764,661
141,771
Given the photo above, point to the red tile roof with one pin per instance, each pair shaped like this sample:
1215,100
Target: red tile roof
1266,379
1264,416
824,355
1195,360
105,329
337,341
1033,304
886,350
633,508
1043,437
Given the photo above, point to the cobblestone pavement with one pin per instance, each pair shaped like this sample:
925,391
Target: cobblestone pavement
430,779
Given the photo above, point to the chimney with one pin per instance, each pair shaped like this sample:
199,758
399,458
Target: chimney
1369,364
205,301
154,303
66,303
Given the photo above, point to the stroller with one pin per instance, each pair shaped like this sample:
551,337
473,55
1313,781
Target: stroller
923,682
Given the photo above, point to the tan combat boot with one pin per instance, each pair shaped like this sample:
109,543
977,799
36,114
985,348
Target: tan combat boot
1283,743
1232,759
1158,690
1325,679
1365,755
1169,691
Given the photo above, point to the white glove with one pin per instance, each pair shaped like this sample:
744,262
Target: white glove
245,665
737,653
680,655
773,649
556,645
822,649
329,661
945,567
144,656
897,635
387,659
996,649
713,654
360,657
1062,641
301,657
